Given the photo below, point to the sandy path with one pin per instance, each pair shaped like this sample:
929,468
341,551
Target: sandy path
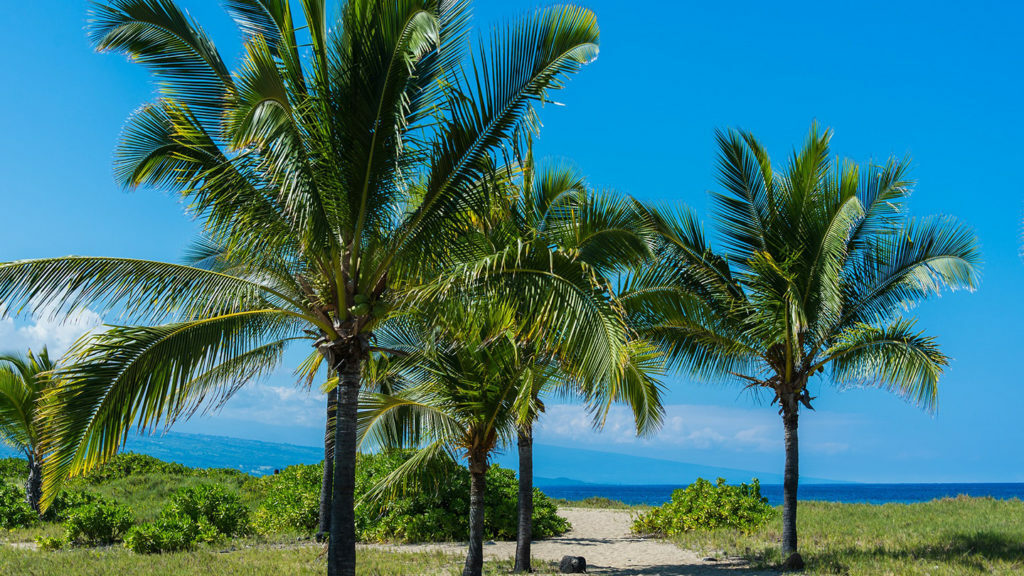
603,538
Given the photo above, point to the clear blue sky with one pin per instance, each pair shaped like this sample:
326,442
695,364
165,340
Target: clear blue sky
940,81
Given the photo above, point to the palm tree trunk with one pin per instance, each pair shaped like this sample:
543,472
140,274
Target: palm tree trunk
341,551
790,413
327,485
477,488
34,484
525,532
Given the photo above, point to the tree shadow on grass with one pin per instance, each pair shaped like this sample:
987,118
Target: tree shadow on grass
970,551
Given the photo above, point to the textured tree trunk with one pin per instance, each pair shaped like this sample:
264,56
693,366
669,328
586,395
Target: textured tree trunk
525,532
327,485
790,412
341,551
34,484
477,488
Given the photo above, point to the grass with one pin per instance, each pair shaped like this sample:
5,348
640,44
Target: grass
950,537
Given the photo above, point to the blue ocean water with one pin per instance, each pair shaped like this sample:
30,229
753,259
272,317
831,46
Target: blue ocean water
870,493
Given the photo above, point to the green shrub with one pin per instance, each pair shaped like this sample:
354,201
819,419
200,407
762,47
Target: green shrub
706,506
50,543
14,511
203,513
434,507
289,500
212,504
98,523
131,464
13,469
169,534
66,501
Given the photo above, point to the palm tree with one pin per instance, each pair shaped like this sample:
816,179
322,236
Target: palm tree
328,168
821,265
463,374
549,212
23,381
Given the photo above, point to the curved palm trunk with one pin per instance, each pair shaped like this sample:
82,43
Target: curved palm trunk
477,488
341,551
524,533
790,413
34,484
327,485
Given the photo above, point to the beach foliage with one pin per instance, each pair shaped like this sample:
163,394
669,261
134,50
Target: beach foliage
202,513
98,523
424,510
706,506
14,510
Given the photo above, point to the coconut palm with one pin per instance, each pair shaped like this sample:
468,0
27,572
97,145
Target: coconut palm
463,375
547,211
23,381
328,166
820,267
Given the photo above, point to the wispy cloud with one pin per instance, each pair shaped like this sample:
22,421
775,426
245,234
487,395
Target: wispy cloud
57,334
686,427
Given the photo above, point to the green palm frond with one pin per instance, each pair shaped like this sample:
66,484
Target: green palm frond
895,357
143,289
24,378
157,34
141,377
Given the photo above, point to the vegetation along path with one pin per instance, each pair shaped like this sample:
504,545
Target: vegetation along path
603,537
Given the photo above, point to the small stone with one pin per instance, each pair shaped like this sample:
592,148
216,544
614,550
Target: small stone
573,565
489,543
794,562
711,559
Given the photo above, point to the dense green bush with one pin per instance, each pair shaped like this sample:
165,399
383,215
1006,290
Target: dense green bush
203,513
66,501
13,469
433,507
706,506
169,534
212,504
98,523
289,500
14,511
127,464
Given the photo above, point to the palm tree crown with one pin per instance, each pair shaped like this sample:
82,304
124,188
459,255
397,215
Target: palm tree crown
24,381
821,265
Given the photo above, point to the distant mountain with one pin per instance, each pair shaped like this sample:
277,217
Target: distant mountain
203,451
560,466
553,465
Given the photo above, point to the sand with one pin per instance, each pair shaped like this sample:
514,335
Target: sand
603,538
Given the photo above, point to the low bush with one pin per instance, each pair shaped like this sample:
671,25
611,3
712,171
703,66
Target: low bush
432,507
13,469
706,506
50,543
169,534
14,510
289,500
128,464
203,513
215,505
98,523
66,501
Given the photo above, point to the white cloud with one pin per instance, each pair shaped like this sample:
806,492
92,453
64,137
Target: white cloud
57,334
685,427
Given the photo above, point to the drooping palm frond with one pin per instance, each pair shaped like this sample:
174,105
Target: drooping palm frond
896,357
139,378
24,378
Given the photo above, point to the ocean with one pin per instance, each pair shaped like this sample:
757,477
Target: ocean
870,493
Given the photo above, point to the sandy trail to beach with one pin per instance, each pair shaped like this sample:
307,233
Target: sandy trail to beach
603,538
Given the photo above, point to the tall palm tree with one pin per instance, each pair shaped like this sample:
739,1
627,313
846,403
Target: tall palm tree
328,166
24,379
820,268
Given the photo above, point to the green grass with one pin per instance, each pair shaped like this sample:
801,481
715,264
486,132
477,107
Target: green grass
957,536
